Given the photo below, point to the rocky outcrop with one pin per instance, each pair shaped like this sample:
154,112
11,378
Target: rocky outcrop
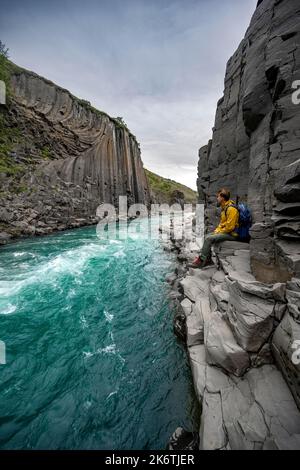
255,145
246,357
64,159
240,335
166,191
183,440
241,318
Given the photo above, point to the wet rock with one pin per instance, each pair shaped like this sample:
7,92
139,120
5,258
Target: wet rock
171,278
4,238
180,271
179,325
183,440
175,295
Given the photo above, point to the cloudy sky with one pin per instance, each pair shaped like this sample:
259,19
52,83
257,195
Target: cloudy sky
160,64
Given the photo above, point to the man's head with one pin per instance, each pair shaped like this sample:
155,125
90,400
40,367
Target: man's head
223,196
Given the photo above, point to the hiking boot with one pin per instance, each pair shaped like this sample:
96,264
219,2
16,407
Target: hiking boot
197,263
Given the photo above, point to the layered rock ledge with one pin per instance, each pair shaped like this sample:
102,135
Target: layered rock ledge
239,335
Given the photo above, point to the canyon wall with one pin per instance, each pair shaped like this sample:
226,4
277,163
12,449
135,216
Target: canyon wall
255,147
62,158
242,316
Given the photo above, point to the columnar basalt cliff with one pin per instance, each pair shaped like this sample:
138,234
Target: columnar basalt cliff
62,159
241,317
256,141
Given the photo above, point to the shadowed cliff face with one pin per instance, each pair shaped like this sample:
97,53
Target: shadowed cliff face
71,158
256,142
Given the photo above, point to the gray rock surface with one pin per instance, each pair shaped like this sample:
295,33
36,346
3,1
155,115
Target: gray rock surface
286,348
256,412
195,326
241,336
183,440
247,372
197,355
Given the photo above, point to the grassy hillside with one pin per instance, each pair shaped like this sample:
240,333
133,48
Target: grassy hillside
163,188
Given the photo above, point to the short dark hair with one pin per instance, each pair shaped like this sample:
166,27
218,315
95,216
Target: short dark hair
225,193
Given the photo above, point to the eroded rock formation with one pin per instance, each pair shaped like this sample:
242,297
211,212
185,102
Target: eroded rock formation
66,157
241,318
255,146
240,336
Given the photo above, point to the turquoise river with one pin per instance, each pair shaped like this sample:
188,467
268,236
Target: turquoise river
91,358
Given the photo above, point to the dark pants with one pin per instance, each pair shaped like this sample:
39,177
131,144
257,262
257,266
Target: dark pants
214,238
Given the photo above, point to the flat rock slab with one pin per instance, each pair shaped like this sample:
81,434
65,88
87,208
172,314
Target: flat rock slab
194,287
255,412
212,433
187,307
229,248
238,263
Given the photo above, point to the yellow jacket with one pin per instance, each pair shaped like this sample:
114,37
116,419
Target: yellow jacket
229,220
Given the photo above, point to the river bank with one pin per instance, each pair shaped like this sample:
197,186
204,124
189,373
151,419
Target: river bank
239,335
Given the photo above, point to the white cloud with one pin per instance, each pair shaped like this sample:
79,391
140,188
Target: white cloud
159,64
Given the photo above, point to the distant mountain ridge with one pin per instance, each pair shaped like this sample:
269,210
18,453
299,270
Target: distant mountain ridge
164,190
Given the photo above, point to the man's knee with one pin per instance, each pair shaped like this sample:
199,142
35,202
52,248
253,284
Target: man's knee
210,236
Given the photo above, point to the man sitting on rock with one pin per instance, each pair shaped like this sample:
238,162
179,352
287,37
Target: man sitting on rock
226,231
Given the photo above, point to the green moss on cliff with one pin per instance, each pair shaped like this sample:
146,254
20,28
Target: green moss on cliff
9,137
118,123
46,153
163,188
6,69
